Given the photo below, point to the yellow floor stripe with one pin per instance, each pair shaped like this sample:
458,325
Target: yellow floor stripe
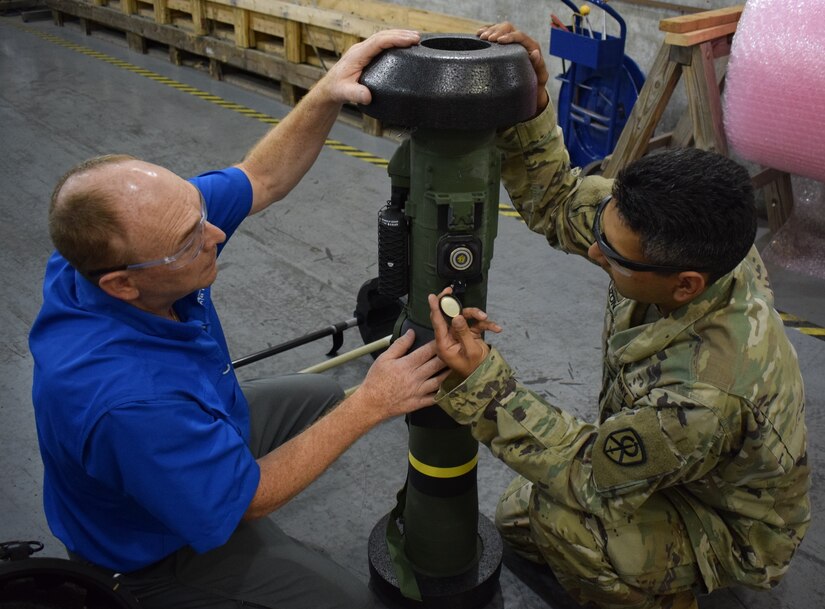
805,327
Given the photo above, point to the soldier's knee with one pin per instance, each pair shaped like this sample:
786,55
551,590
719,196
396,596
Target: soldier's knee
514,504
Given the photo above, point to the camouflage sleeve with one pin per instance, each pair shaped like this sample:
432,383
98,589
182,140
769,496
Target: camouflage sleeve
551,197
607,470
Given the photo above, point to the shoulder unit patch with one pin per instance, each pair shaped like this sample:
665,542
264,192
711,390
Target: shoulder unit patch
631,450
625,447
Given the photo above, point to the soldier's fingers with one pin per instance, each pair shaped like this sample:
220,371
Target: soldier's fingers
446,291
437,320
486,326
461,330
474,313
492,32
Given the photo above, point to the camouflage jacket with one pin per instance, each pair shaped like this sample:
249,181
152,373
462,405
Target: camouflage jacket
705,405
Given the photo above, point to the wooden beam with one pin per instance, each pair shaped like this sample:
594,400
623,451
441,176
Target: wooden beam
198,8
668,6
689,39
341,22
136,42
346,42
778,200
648,109
704,101
251,60
701,21
215,69
398,15
294,48
242,31
162,13
371,126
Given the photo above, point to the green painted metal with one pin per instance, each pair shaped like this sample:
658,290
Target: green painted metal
452,212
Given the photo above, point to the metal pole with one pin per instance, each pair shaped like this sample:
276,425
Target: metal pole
348,356
332,330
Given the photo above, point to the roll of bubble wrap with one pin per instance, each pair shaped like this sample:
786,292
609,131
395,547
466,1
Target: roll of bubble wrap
774,102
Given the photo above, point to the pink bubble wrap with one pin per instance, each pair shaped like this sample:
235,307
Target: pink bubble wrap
774,103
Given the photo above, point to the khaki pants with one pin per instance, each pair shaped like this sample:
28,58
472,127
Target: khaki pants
643,562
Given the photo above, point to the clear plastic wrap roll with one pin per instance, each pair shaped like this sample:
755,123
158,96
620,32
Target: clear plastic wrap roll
774,102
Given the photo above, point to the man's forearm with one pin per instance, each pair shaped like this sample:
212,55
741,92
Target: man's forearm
279,161
281,158
291,467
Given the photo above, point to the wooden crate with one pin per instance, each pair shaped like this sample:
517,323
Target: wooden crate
292,42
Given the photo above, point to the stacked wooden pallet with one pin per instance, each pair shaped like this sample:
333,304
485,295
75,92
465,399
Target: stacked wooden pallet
293,42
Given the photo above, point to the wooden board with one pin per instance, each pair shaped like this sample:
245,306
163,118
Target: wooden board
396,15
690,39
701,21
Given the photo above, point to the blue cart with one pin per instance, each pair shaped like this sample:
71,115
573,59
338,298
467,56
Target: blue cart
598,88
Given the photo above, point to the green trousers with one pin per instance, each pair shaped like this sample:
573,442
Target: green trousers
644,562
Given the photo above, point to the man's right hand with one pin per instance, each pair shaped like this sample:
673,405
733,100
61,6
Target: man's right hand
341,81
400,382
460,345
506,33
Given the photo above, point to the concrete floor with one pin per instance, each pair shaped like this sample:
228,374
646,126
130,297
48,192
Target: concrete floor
294,269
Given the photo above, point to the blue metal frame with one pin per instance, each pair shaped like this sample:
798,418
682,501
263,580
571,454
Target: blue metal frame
598,89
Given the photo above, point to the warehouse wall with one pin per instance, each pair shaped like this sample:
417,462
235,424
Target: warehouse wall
533,16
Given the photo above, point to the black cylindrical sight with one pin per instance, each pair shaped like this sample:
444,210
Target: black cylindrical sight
392,251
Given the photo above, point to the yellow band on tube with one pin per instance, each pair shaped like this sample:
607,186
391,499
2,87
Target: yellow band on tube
443,472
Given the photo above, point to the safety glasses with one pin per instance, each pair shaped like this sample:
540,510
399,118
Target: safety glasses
184,256
619,263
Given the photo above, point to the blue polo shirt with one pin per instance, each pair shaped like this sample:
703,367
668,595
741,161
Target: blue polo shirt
142,425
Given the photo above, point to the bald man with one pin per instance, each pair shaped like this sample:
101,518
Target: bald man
158,464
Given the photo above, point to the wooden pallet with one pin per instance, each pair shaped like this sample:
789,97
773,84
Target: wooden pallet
292,42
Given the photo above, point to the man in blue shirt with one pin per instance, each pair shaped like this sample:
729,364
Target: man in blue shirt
157,464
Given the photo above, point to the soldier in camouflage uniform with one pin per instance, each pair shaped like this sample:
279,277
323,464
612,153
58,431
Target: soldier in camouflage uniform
695,475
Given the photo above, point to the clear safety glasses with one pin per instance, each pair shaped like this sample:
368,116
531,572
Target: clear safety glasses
185,255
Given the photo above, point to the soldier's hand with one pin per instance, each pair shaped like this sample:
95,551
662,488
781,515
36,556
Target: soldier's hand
399,382
506,33
460,345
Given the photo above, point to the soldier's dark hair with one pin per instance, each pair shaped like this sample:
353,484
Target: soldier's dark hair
690,208
82,224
